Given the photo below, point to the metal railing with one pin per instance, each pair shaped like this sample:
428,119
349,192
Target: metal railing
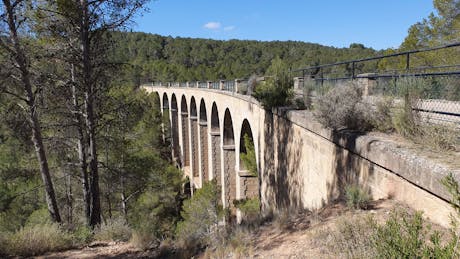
353,66
203,85
229,85
215,85
435,86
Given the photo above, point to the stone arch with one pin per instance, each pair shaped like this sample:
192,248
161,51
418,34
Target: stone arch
185,133
215,145
175,131
165,102
229,160
249,182
194,139
203,122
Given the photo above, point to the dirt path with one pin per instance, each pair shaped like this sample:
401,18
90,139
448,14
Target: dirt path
101,250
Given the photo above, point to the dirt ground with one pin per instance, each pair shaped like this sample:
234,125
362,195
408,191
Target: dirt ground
101,250
300,235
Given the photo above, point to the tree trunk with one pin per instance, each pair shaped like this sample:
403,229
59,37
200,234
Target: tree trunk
21,63
69,195
95,212
123,199
81,146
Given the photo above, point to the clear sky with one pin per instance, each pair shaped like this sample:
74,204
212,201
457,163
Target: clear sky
375,23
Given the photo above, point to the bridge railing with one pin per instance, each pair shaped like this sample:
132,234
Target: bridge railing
215,85
202,85
436,87
229,86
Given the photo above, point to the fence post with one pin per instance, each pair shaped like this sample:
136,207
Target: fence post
367,82
237,86
221,84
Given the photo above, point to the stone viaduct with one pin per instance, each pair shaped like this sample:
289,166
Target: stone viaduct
301,164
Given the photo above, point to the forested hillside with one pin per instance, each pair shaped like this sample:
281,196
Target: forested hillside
85,154
160,58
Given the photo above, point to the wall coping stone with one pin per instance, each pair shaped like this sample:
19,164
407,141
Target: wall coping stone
245,173
228,147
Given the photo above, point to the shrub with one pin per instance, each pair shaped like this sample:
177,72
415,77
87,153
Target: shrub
39,217
408,123
343,107
356,197
249,156
113,230
309,87
382,118
250,210
82,235
438,137
38,239
144,240
405,120
404,236
201,215
252,84
276,90
353,238
3,243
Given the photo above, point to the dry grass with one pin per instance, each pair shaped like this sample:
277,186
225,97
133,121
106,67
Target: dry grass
113,230
351,237
37,239
344,107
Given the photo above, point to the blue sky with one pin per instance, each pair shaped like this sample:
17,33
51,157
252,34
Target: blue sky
375,23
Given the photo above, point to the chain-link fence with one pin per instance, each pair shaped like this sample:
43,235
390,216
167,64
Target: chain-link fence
431,77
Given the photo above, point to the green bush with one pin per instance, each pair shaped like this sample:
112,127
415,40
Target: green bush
113,230
250,210
39,217
277,89
404,236
356,197
82,235
249,157
38,239
201,215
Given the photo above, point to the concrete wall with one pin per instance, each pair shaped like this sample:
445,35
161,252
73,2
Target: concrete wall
302,164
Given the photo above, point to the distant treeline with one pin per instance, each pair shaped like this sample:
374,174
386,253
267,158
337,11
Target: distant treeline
159,58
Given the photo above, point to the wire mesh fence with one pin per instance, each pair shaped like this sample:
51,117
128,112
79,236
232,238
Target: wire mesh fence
432,81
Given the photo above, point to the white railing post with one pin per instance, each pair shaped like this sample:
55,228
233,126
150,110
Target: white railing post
237,85
221,84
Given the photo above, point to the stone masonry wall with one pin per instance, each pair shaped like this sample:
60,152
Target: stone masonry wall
204,152
229,176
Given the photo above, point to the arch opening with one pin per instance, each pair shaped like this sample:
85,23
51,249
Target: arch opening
166,126
248,171
175,132
185,158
